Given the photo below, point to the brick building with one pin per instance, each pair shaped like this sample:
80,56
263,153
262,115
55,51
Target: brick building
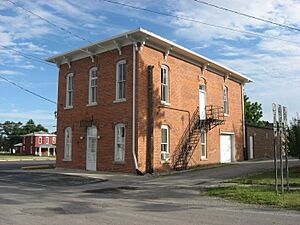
260,142
37,143
139,102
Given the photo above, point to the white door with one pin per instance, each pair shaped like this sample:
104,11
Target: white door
91,150
226,148
202,102
251,145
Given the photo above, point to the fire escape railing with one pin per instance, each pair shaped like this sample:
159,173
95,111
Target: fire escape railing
192,134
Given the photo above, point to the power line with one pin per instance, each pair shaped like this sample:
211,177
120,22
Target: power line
28,56
54,25
247,15
25,89
197,21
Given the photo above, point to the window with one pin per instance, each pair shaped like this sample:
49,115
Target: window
93,78
165,143
68,144
53,140
31,141
203,143
121,81
120,135
40,140
92,143
69,91
164,74
47,140
226,106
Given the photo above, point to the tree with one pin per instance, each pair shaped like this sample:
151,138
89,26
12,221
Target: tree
294,137
10,132
253,112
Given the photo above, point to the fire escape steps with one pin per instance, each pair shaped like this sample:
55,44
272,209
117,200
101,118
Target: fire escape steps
192,134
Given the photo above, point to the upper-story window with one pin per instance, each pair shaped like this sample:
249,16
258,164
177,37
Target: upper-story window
54,140
120,135
226,105
40,140
69,90
31,140
165,89
121,81
68,144
93,78
47,140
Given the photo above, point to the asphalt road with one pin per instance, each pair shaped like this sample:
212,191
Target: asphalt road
67,197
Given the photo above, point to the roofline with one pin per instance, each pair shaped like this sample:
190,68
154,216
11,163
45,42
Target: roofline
210,62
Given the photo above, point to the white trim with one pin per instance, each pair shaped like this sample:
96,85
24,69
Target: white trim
68,145
90,135
165,85
134,48
226,96
156,40
90,102
227,132
120,82
117,127
40,140
68,90
203,131
165,127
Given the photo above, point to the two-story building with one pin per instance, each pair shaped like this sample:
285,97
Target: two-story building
37,143
139,102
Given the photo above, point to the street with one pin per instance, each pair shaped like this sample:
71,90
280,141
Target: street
60,196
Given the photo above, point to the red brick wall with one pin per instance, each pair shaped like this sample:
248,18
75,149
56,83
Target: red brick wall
184,94
263,142
104,115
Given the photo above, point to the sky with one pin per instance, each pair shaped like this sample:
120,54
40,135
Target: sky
272,63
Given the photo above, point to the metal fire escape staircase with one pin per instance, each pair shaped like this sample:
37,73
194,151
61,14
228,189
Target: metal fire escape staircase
192,135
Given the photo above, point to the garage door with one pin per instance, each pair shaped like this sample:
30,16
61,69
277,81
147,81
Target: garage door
226,148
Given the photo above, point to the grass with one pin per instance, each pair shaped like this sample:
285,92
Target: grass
259,189
20,157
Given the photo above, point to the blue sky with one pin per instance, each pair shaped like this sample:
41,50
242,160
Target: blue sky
273,64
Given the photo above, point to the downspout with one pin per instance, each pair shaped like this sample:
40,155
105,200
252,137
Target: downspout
243,121
134,47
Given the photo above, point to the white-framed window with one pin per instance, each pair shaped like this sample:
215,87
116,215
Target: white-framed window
120,136
40,140
121,81
93,83
68,144
69,90
53,140
31,141
165,89
92,142
24,140
165,153
203,144
47,140
226,105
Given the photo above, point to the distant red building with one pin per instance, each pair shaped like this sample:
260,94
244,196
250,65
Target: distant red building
37,143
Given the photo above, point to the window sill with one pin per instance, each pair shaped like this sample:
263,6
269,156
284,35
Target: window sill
67,160
225,114
92,104
165,103
167,161
68,107
119,162
204,159
119,100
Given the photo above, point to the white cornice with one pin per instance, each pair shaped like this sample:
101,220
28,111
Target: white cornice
149,39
